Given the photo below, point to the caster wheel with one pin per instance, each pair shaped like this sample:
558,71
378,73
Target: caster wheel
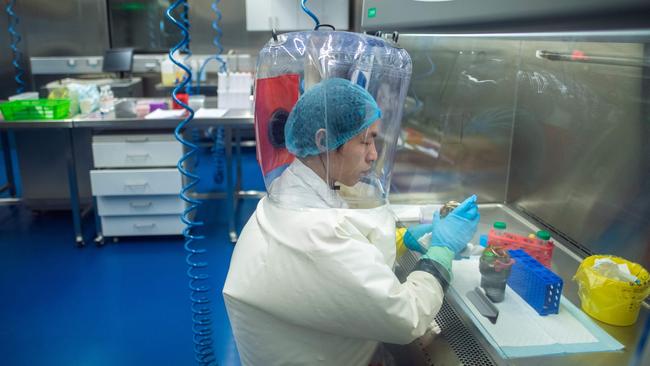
100,241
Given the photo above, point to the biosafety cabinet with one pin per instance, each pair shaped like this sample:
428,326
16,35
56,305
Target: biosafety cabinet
542,109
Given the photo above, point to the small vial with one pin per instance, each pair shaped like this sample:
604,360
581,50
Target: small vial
499,228
543,237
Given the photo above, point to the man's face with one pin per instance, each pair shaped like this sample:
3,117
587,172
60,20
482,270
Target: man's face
355,158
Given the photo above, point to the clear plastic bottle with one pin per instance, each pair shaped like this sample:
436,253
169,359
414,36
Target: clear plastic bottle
167,72
543,237
106,99
499,228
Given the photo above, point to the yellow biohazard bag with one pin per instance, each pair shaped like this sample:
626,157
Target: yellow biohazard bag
610,300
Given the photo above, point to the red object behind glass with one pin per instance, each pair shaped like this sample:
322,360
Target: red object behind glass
274,100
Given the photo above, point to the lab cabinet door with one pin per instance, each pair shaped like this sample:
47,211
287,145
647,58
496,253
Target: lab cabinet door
285,14
264,15
258,15
334,12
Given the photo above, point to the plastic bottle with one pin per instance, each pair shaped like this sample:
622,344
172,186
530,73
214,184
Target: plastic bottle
102,100
543,237
499,228
106,99
179,74
167,74
111,99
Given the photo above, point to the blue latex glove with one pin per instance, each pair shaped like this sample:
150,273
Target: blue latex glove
457,228
413,237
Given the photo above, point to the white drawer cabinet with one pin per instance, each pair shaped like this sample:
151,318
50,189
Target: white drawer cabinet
133,151
135,182
139,205
142,225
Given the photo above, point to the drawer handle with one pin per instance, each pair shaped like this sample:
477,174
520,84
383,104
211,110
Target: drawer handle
145,226
141,205
137,156
137,139
136,185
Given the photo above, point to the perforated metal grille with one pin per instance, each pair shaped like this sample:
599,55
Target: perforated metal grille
466,348
461,341
405,265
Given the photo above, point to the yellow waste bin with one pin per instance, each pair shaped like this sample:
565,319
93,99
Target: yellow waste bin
610,300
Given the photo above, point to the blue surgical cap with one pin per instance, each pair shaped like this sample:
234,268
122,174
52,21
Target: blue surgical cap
339,106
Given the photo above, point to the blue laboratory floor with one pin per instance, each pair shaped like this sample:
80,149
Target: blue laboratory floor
122,304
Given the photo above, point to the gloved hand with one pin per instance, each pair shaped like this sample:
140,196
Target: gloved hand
442,256
457,228
418,237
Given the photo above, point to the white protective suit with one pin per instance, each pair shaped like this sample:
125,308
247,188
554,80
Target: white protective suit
315,286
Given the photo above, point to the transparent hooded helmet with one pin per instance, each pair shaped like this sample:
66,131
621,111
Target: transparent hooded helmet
328,110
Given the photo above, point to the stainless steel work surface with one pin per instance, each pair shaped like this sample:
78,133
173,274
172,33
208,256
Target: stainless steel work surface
15,125
233,118
462,343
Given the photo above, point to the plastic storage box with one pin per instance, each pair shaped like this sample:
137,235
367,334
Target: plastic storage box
26,110
541,288
543,252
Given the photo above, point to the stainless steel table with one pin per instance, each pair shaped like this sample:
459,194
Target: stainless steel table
232,122
67,125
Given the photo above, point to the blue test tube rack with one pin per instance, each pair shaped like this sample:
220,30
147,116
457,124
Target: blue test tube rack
540,287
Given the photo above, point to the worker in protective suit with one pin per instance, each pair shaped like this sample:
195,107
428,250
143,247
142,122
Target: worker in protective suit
311,279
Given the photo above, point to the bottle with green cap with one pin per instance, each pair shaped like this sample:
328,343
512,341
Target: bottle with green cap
543,237
499,228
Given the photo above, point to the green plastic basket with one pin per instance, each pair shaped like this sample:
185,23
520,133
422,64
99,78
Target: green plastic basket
25,110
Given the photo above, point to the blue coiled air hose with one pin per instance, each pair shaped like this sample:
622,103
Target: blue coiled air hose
198,284
15,39
311,14
185,18
20,83
219,155
216,41
218,151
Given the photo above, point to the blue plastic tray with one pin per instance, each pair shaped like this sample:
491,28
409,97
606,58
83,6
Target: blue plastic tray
541,288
